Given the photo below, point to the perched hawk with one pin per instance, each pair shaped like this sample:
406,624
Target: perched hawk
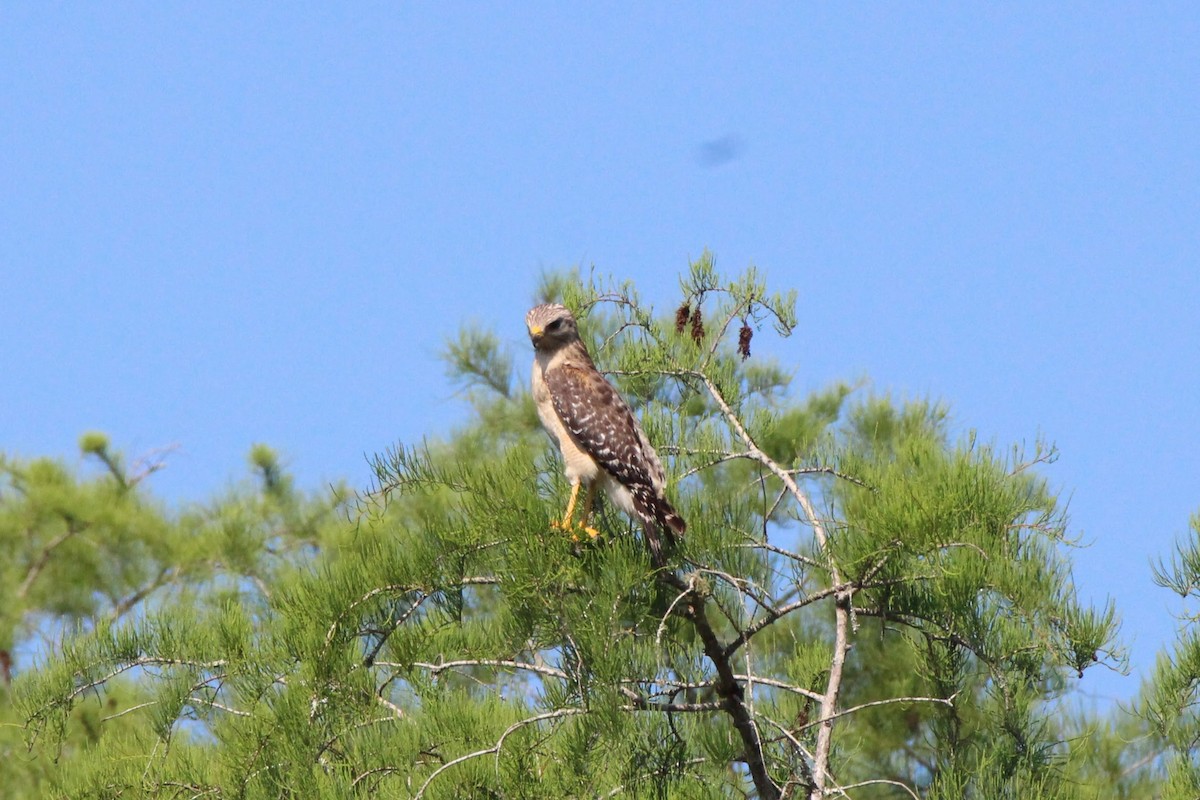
601,441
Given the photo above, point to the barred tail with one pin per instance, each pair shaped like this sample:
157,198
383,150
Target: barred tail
657,515
673,522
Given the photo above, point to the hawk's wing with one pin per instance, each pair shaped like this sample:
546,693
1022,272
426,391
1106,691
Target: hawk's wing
603,426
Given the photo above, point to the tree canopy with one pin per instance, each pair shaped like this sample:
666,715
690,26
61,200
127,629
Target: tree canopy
867,604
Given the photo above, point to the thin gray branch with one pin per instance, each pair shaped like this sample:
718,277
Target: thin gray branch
641,704
43,558
877,781
143,661
719,460
948,701
841,634
619,789
495,749
774,614
487,662
727,686
831,471
805,560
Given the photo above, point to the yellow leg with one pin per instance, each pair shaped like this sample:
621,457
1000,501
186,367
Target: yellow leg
588,499
566,520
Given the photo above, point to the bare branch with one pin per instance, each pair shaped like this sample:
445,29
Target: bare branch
841,636
486,662
621,329
641,704
122,607
719,460
151,462
831,471
741,585
220,707
495,749
770,512
619,789
756,680
947,701
474,580
370,772
388,704
774,614
843,789
777,684
130,710
805,560
144,661
43,558
727,686
736,312
378,590
791,737
685,590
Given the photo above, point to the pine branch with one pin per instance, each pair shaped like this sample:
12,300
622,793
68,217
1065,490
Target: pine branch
642,704
774,614
43,558
727,687
485,662
805,560
805,755
656,774
879,781
143,661
122,606
947,701
495,749
842,594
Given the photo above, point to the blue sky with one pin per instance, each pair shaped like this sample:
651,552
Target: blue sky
224,224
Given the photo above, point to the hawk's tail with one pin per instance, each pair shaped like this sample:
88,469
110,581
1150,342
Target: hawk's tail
658,515
671,520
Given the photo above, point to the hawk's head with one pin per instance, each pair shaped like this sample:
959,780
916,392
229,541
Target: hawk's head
551,326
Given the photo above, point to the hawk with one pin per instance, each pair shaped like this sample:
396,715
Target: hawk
601,442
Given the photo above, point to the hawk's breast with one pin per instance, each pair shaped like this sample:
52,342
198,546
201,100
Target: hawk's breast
578,464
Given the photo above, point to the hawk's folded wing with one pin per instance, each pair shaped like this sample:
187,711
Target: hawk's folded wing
603,426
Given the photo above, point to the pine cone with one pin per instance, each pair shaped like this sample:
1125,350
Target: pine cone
744,337
681,317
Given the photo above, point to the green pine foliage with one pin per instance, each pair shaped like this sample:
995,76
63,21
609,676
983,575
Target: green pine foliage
865,604
1168,702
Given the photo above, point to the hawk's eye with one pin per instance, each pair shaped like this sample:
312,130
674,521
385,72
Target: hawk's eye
555,325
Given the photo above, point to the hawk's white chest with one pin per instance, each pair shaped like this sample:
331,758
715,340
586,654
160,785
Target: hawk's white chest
579,465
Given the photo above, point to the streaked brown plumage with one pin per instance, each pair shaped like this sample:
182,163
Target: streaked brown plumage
602,444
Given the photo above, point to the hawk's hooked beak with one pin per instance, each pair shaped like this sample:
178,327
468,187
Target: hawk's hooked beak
535,333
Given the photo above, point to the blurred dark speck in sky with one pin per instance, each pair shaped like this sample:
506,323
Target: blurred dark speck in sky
720,151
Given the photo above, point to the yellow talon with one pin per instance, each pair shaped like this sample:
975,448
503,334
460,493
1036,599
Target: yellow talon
567,524
592,534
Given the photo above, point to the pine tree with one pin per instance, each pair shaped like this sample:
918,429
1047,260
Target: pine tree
1168,701
90,558
862,604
